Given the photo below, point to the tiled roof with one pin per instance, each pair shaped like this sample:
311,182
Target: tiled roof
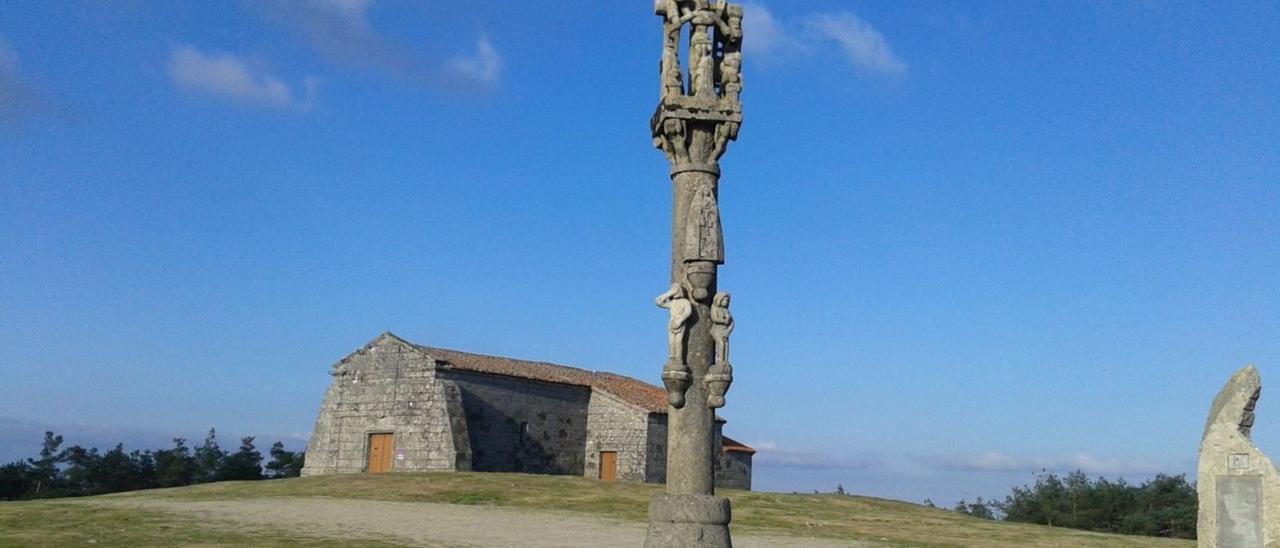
638,393
731,444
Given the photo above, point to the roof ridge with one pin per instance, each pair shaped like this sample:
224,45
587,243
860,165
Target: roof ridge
428,349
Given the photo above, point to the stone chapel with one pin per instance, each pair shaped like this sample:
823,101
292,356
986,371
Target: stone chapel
394,406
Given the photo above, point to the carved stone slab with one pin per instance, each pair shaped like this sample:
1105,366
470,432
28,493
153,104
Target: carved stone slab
1238,487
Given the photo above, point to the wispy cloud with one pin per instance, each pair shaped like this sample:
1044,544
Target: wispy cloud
863,46
482,67
341,32
224,75
1088,463
338,29
20,101
764,32
771,454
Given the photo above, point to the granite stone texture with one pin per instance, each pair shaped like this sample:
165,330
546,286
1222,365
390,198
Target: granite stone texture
521,425
388,387
1238,486
614,425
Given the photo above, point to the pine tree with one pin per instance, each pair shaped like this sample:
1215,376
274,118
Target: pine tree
244,464
44,471
284,464
208,458
175,467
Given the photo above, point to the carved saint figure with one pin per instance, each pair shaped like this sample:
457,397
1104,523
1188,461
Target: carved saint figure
721,325
702,234
680,310
734,15
675,374
672,78
702,64
731,76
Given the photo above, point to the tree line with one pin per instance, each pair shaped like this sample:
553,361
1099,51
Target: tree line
77,471
1164,506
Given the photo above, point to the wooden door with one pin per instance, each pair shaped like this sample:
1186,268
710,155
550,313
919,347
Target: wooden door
608,465
380,448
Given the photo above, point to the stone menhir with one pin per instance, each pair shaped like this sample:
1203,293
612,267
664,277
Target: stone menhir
698,114
1238,487
394,406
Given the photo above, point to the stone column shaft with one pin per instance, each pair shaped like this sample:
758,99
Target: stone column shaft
691,429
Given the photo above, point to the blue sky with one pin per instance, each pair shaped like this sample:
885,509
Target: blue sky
966,242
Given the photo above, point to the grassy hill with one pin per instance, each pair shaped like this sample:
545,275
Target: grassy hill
877,521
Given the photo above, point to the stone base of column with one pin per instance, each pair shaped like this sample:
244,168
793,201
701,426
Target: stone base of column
680,521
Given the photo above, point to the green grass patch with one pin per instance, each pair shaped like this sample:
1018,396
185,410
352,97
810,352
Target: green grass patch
885,522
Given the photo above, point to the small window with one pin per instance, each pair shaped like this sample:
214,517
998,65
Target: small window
524,432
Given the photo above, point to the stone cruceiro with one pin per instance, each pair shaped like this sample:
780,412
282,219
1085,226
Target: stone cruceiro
698,114
1238,486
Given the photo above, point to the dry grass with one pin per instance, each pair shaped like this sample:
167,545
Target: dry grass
828,516
78,522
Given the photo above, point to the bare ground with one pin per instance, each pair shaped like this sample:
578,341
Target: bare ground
426,524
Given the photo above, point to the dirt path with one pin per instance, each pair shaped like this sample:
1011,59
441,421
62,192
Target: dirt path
427,524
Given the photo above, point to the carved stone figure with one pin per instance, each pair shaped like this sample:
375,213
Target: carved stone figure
730,78
675,374
702,65
720,374
672,77
721,325
703,238
733,18
673,140
680,311
725,132
1238,486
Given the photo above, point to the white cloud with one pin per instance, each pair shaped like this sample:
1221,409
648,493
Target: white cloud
864,47
862,44
482,67
352,8
993,461
762,31
225,75
770,454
